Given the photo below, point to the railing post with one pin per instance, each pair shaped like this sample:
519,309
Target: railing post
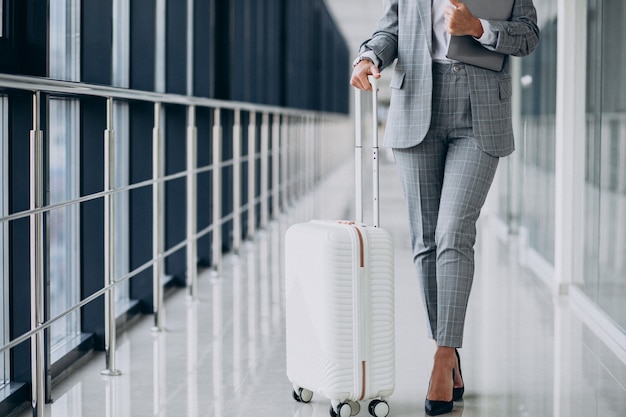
276,129
251,175
193,407
310,153
294,161
192,205
157,219
109,246
302,156
265,133
237,182
217,192
320,141
284,161
37,284
316,157
293,158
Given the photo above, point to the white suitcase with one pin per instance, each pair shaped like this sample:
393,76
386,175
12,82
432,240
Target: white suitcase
340,306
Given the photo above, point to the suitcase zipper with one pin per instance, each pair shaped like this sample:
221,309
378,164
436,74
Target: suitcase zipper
362,317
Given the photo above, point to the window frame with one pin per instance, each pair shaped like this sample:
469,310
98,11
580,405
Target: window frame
5,358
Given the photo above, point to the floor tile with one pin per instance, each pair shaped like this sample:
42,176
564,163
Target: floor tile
526,352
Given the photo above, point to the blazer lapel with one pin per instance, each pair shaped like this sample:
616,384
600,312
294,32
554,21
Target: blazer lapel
425,10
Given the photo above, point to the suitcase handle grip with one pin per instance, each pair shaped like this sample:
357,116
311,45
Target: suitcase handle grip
358,154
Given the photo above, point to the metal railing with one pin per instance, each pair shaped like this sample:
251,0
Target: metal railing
297,148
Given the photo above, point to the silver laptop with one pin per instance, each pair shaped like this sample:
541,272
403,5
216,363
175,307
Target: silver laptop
468,50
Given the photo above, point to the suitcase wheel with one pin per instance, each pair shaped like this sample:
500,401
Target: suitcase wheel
379,408
343,410
302,395
356,407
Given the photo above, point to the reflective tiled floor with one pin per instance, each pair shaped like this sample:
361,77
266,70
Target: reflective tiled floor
526,353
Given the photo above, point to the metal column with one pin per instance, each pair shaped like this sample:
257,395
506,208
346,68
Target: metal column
37,283
237,229
157,219
284,162
216,246
251,175
109,246
265,139
192,203
276,129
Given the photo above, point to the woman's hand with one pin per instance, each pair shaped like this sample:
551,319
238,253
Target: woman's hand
460,21
360,73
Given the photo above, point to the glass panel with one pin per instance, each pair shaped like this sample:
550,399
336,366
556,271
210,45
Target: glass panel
160,62
613,195
65,40
1,18
535,138
4,235
121,43
64,124
121,201
121,78
592,176
605,216
63,222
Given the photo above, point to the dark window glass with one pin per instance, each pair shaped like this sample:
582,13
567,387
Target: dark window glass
1,18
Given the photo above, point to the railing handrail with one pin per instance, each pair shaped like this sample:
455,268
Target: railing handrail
47,85
294,170
94,196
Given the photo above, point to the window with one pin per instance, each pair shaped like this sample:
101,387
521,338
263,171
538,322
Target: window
121,204
527,199
605,192
64,119
537,135
121,78
4,236
160,62
1,18
64,222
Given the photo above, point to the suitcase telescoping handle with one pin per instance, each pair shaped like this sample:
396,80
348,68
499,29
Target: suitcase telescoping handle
358,154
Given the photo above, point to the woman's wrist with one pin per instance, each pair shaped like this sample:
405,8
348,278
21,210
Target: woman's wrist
478,29
360,59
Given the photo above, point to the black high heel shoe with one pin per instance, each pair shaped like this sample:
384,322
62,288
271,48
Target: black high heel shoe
457,393
435,408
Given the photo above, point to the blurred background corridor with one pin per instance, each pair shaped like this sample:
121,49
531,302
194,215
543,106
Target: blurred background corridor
153,153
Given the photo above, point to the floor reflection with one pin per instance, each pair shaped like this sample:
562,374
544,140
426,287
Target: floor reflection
526,353
192,358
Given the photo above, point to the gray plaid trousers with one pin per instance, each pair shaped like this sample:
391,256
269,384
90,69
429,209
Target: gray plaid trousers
446,179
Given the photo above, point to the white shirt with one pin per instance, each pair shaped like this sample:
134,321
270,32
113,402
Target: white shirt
441,37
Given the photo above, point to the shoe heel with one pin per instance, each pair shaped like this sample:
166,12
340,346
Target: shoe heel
457,393
435,408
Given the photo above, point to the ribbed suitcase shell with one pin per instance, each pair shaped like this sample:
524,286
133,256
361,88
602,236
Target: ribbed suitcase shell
340,310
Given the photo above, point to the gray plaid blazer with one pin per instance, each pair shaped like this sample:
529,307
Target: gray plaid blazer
405,32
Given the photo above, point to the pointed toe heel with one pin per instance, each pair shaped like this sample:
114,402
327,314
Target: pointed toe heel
457,393
435,408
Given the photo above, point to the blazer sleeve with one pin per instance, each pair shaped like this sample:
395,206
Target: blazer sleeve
384,41
520,35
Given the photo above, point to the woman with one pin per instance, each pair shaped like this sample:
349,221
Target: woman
448,125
